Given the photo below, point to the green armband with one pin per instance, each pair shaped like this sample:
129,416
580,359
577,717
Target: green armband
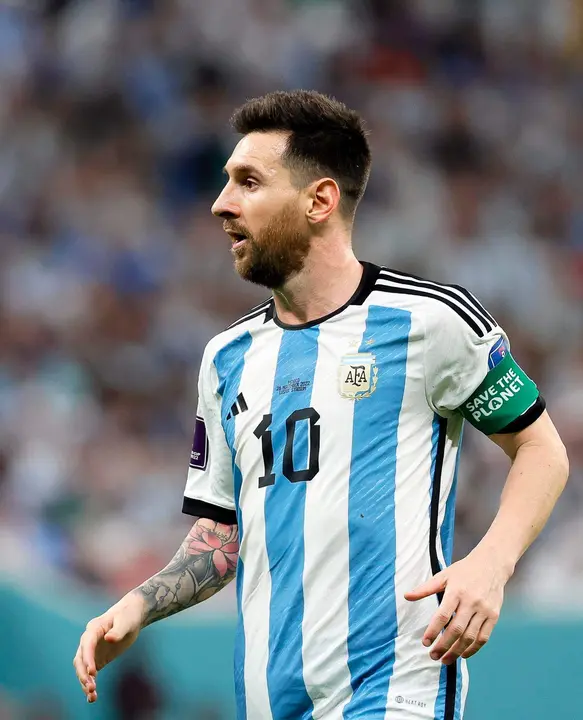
506,393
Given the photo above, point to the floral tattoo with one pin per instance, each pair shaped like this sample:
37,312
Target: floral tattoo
221,541
204,564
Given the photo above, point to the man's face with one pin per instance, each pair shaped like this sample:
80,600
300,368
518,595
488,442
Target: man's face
263,212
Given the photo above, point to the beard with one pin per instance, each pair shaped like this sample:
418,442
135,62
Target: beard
276,253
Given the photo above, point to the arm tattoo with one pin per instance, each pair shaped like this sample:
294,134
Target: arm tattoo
204,564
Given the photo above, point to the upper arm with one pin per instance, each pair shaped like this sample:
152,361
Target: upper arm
474,374
209,488
540,433
207,536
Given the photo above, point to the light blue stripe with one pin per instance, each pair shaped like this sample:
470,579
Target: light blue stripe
447,528
284,530
239,656
229,363
372,611
458,692
439,710
447,536
434,443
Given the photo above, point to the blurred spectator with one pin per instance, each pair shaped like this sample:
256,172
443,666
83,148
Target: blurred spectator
43,708
113,274
137,696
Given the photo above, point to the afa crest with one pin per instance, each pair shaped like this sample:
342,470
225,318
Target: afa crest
358,375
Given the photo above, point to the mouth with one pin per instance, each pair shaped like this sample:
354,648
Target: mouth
238,239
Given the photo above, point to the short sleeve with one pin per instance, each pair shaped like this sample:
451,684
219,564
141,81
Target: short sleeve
456,358
470,370
209,486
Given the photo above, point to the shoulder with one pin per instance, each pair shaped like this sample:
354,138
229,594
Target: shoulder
440,305
236,333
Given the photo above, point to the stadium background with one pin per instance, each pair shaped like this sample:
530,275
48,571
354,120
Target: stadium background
113,275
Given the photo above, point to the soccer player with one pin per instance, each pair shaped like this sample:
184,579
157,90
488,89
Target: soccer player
326,448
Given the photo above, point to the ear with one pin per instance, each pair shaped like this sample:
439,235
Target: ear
324,198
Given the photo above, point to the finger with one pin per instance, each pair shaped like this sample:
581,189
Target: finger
441,617
83,685
467,639
80,667
89,688
88,645
454,631
89,641
86,681
431,587
484,634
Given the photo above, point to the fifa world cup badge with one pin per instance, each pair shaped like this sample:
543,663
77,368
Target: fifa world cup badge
358,375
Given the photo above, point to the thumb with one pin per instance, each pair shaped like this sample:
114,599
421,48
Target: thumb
434,585
118,630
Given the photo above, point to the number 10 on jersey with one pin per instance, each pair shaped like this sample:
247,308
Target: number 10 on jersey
263,432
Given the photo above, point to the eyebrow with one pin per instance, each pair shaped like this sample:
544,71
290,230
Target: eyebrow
243,169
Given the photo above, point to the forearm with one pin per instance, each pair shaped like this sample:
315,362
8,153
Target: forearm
535,481
204,564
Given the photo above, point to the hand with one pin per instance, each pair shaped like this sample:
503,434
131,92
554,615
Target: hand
106,637
473,590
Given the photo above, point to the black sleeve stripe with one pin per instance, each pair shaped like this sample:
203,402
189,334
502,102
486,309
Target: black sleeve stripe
476,303
270,314
261,306
253,313
455,293
527,418
478,307
425,293
248,317
452,670
199,508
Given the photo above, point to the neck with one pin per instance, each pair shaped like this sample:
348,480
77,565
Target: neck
328,280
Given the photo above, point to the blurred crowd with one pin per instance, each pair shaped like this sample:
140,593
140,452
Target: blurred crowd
114,275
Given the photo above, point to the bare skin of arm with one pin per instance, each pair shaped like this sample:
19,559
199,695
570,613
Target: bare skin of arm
204,564
473,588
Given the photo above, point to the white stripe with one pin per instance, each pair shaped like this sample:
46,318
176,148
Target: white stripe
325,623
256,385
472,298
465,686
438,295
475,304
415,676
450,454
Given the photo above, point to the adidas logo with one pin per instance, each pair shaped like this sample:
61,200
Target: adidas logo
239,406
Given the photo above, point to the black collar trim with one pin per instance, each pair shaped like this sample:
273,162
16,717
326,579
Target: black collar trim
365,287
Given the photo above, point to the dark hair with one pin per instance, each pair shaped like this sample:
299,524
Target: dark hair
327,139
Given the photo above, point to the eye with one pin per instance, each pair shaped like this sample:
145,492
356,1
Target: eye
250,183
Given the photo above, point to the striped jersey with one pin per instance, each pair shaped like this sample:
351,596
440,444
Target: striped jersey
335,445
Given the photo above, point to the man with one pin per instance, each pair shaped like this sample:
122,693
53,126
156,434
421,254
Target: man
325,454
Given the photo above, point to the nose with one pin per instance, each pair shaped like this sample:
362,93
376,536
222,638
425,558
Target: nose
224,207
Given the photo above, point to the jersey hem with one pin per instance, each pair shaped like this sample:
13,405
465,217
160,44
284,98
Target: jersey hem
199,508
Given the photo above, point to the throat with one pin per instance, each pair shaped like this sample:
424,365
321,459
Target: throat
307,299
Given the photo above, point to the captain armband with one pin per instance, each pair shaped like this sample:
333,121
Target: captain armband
506,395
